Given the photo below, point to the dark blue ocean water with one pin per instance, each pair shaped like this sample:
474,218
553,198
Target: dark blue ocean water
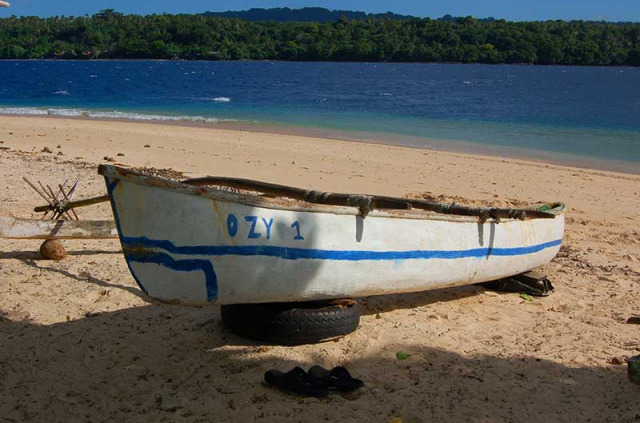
568,114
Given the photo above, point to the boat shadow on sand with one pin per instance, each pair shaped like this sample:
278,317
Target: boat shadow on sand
410,300
160,361
32,259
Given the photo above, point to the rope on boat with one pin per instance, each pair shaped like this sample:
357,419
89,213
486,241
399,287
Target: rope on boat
362,202
314,196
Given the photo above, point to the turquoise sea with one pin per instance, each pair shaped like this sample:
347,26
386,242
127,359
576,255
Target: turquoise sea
585,116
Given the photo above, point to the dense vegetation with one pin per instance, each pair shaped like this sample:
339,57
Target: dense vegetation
110,35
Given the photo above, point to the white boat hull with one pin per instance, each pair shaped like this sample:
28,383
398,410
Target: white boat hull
194,245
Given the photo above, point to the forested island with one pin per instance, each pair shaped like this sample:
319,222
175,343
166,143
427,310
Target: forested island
112,35
305,14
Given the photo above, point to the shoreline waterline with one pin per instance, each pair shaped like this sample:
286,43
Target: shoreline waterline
466,148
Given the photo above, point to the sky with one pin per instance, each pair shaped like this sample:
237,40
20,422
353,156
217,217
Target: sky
518,10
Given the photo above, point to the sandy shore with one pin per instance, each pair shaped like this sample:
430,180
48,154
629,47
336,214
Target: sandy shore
81,343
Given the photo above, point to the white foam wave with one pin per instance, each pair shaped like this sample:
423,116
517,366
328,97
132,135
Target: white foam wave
222,99
22,111
62,92
114,114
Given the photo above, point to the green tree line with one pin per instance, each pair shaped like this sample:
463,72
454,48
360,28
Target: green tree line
111,35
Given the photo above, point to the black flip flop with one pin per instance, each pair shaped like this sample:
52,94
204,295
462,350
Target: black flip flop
297,381
337,378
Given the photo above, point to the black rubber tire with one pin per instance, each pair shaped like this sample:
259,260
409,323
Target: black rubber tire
291,323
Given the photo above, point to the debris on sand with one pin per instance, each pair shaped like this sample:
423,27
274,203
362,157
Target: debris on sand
161,173
53,249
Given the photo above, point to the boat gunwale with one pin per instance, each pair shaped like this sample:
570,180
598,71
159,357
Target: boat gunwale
289,204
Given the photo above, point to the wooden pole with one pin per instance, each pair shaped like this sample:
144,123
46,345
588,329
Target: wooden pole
40,194
376,202
15,228
74,204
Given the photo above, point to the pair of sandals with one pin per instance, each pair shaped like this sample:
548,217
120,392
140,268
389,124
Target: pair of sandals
318,382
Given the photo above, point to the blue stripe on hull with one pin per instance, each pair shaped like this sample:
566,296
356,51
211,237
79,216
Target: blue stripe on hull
343,255
183,266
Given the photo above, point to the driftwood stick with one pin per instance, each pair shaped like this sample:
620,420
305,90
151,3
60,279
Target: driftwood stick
57,214
39,193
44,189
56,204
75,204
63,210
72,191
68,200
53,194
61,204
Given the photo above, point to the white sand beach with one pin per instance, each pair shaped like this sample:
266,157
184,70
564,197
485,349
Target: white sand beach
80,342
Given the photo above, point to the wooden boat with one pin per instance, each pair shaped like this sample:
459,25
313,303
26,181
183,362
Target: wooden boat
4,4
234,241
